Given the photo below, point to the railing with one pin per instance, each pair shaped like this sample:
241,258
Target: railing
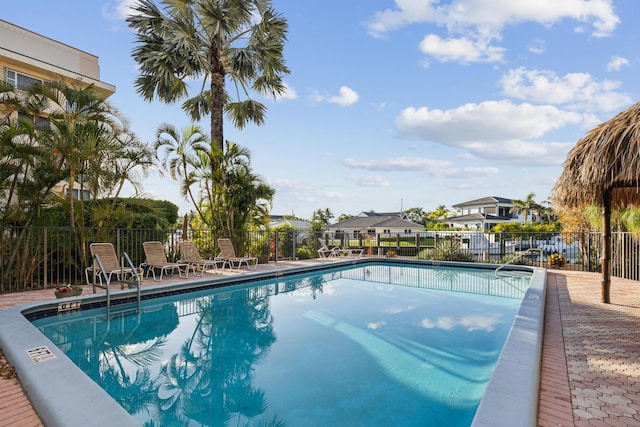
36,258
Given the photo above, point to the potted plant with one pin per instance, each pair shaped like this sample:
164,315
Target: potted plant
556,260
66,290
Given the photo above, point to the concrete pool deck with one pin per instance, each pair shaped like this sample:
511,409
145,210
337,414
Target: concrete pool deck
590,359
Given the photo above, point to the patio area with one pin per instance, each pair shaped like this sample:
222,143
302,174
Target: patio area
590,361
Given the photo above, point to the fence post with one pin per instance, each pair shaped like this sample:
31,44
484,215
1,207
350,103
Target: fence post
46,258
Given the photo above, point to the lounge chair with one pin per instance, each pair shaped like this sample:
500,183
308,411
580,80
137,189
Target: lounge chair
337,251
157,260
326,252
110,264
191,256
228,255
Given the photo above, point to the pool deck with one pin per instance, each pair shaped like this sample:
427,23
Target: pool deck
590,357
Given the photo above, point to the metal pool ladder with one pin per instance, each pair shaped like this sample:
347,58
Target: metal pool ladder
519,255
106,279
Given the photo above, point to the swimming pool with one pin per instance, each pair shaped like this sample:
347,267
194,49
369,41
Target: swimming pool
282,351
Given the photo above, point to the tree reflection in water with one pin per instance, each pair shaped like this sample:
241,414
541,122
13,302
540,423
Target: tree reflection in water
210,380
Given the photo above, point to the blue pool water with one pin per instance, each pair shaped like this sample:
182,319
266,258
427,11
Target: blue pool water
374,345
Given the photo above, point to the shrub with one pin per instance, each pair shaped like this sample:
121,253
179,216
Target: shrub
556,260
304,252
447,250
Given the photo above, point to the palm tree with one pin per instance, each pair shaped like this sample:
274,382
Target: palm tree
212,41
178,154
82,124
239,196
526,206
440,212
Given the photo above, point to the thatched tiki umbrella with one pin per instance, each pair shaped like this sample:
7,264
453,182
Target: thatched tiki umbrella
603,169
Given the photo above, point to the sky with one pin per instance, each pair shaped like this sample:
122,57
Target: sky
392,105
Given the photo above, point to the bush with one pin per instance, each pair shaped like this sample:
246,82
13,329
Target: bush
304,252
447,250
556,260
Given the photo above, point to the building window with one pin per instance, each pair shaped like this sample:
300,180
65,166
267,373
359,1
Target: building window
42,123
21,81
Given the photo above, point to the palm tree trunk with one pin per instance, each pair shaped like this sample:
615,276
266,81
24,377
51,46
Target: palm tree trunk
217,102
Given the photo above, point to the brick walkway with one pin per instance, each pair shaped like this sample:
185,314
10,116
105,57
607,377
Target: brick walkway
590,360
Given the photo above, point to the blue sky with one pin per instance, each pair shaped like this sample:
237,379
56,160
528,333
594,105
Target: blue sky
400,104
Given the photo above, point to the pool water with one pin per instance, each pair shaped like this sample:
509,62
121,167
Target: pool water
374,345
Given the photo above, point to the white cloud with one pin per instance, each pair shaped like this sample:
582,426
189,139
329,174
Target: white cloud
499,131
346,97
616,63
578,91
397,164
370,181
495,14
118,10
462,50
473,25
537,46
288,94
438,168
489,120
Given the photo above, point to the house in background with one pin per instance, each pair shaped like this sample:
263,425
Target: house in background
371,223
280,220
483,214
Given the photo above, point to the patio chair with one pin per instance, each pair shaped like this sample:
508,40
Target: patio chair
157,260
228,255
337,251
326,252
191,256
110,264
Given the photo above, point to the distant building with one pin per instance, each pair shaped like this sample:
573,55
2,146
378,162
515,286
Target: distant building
27,58
280,220
483,214
375,223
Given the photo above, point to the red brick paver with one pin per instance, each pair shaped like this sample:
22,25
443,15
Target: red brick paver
590,360
601,353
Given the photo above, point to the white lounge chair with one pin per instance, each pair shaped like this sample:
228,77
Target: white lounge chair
157,260
111,267
228,255
337,251
191,256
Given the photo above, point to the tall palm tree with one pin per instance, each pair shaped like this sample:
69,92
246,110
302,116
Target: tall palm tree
211,41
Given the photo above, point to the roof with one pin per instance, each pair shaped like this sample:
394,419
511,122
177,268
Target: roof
490,200
374,221
278,220
371,214
476,217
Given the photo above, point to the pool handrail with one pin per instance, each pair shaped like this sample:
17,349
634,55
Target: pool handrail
519,255
136,277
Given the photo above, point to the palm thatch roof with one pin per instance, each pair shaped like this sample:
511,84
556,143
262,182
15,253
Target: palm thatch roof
606,159
603,169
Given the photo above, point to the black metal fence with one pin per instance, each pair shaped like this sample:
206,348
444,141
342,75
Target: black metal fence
34,258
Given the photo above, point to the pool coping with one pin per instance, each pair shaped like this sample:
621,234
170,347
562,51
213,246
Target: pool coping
63,395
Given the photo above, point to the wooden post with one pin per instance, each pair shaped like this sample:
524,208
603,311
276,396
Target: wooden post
606,247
